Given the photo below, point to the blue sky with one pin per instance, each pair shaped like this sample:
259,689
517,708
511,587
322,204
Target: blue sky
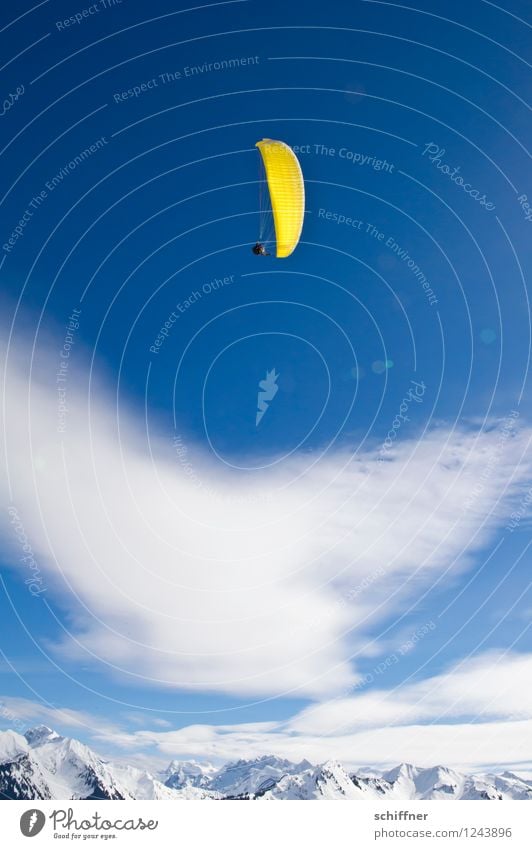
237,583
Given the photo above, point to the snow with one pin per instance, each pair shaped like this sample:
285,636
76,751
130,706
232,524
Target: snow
251,776
180,774
328,782
40,734
12,745
44,765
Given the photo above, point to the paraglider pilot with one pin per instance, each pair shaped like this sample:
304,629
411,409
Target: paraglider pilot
260,250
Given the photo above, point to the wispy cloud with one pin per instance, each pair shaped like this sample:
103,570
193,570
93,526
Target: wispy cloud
461,745
29,712
239,586
488,687
471,716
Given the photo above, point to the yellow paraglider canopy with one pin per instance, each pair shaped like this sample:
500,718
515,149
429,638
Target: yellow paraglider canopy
287,193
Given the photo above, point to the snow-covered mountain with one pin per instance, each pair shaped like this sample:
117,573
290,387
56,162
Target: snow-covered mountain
179,774
328,781
21,775
243,777
44,765
440,782
72,769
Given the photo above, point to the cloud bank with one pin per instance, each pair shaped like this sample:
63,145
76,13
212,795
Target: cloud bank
473,716
259,585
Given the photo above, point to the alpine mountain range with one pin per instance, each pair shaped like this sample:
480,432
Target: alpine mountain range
42,764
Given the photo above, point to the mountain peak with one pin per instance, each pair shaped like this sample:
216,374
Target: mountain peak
180,774
404,770
12,745
41,734
44,765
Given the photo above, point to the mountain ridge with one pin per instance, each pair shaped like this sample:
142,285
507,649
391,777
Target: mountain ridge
42,764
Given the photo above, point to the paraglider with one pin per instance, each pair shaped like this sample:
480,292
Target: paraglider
286,190
260,250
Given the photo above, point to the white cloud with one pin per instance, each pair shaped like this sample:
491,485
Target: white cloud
480,717
19,712
501,745
238,585
476,715
487,687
